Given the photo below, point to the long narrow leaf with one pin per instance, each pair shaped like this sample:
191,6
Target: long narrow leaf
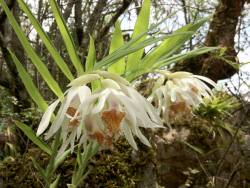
171,45
180,57
32,136
127,49
106,61
116,42
47,42
28,83
141,26
168,61
91,58
90,62
56,182
31,53
69,43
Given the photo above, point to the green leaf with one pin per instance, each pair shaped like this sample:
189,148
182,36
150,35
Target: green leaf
67,38
128,49
28,83
91,58
55,183
32,136
59,160
171,45
51,167
125,49
168,61
141,26
90,62
181,57
117,42
95,148
31,53
47,42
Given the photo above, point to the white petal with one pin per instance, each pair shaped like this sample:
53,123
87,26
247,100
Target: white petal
83,93
139,112
143,139
180,74
65,144
128,135
46,118
65,129
211,82
113,77
173,95
101,102
83,80
132,106
108,83
166,95
130,115
146,105
79,131
202,87
159,96
62,112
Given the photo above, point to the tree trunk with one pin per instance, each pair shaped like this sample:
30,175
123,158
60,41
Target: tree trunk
221,33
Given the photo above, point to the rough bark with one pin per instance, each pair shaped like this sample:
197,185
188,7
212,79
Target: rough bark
221,33
78,21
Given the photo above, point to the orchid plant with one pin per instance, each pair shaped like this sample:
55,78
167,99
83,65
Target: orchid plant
100,104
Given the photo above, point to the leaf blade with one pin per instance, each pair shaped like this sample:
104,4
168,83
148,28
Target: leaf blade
32,136
47,42
28,83
171,45
141,26
169,61
68,41
31,52
91,58
117,42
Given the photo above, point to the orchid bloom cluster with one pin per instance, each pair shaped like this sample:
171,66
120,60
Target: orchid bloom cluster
103,115
175,94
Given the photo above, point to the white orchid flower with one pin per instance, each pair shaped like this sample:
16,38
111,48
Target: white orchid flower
175,94
104,115
67,118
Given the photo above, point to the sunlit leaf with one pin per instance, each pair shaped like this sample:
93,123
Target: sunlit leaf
171,45
141,26
90,62
180,57
91,58
168,61
128,48
116,43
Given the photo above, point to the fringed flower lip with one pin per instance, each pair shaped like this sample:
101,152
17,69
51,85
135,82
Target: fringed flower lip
103,115
177,93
